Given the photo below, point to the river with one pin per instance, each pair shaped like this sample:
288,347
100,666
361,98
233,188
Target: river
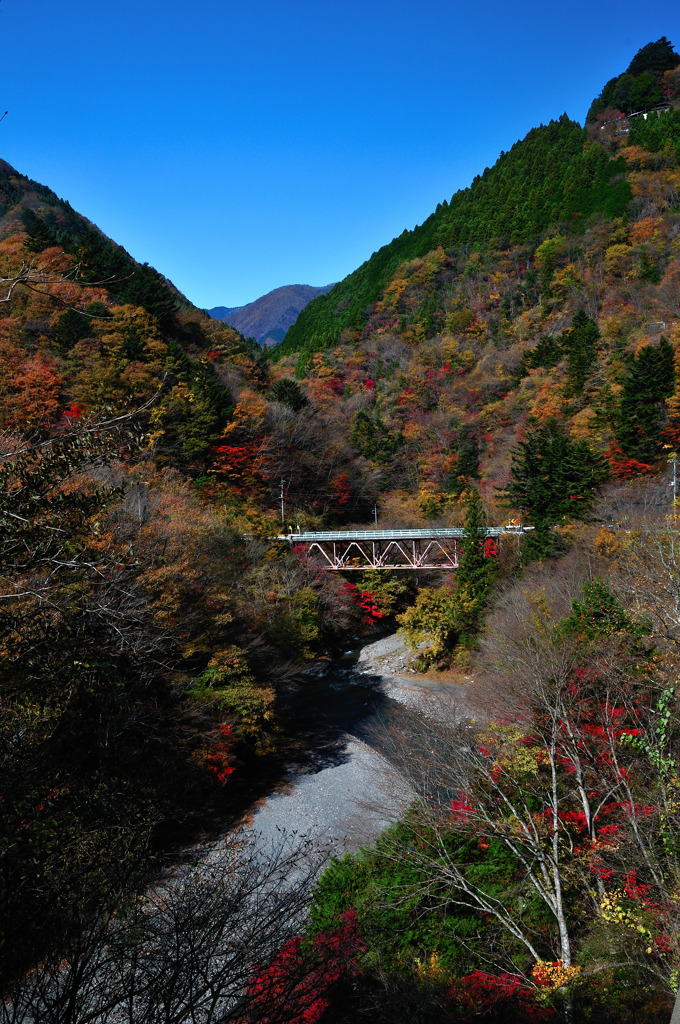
346,791
187,950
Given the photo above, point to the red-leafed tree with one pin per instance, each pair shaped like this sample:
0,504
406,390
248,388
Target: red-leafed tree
219,755
236,464
298,984
577,790
623,468
498,997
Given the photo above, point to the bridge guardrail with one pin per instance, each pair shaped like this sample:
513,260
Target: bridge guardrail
415,534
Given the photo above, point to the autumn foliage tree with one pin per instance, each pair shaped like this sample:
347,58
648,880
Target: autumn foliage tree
553,829
89,708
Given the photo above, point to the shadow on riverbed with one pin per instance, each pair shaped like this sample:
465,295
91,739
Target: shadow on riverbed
337,727
320,713
340,772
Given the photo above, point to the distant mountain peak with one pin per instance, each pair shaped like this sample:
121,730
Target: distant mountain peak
268,318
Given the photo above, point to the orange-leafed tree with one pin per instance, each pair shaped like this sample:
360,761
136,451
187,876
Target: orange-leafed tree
33,391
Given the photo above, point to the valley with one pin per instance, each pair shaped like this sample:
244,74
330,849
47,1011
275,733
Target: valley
470,723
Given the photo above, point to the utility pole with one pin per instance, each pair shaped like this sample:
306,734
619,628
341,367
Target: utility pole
673,459
283,514
375,513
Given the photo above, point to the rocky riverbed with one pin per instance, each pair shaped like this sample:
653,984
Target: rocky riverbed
228,903
350,792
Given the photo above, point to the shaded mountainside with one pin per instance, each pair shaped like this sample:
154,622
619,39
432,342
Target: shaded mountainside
119,578
222,312
268,318
149,634
28,206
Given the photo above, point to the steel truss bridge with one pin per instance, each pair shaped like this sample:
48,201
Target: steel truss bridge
395,549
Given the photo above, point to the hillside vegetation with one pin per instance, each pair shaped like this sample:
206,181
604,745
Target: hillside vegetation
554,176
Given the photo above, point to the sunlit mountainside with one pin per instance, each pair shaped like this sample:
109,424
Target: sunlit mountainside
557,175
531,295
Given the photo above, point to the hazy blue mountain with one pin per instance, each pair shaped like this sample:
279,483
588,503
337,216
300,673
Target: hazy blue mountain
222,312
268,318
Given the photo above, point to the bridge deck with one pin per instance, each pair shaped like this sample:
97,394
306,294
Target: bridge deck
394,549
431,534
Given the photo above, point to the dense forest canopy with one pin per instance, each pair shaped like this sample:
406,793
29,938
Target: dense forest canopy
644,84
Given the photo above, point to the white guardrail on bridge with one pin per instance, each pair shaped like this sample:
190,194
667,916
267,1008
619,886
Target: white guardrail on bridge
419,534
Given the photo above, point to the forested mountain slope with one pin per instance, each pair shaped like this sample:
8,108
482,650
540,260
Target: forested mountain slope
649,81
529,352
549,177
220,312
471,344
557,175
27,206
145,645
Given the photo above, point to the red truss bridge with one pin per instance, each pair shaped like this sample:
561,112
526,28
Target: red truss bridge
395,549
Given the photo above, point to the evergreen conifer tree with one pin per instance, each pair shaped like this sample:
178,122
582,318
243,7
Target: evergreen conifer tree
134,345
468,453
547,353
467,463
197,421
177,362
581,345
650,381
648,270
288,392
655,58
475,572
553,479
371,437
71,327
206,384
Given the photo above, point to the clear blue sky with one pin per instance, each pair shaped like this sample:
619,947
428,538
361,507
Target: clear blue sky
238,145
